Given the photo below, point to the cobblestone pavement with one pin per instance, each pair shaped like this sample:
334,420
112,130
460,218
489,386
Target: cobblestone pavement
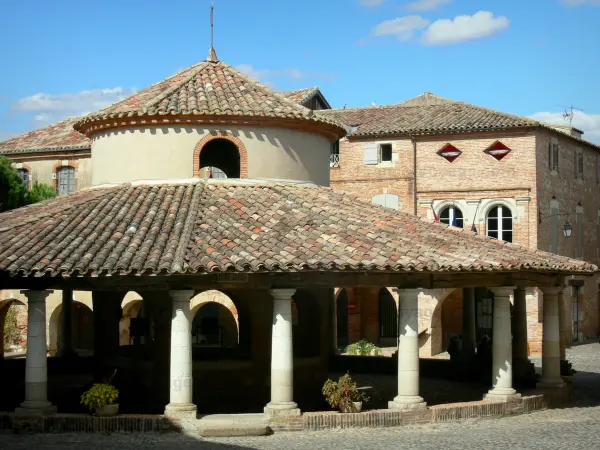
575,427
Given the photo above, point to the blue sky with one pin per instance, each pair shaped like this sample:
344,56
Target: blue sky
527,57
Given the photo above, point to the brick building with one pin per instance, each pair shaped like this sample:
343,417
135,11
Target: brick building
508,177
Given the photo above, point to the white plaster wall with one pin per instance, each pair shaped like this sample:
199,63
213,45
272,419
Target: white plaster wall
165,152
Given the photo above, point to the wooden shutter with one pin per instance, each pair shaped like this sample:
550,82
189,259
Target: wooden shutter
550,155
371,154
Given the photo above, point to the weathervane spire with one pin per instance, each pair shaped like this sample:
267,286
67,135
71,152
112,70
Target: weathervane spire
212,54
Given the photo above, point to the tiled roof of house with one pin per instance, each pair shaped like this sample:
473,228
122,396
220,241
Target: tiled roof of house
423,115
301,96
59,136
197,226
207,89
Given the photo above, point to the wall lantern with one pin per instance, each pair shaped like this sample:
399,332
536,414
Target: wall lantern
567,229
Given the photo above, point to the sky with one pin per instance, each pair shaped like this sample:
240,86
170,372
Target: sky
528,57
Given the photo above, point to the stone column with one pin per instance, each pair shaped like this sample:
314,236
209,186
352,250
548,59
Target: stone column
551,340
469,332
408,352
66,335
562,323
181,381
282,357
502,383
36,369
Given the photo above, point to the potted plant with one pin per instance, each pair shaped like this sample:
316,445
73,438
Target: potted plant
363,348
101,398
344,394
567,371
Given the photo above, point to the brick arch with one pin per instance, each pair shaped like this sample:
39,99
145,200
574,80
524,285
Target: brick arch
221,135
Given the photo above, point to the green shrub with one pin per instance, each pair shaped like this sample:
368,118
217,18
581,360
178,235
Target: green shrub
39,192
340,394
99,396
566,368
363,348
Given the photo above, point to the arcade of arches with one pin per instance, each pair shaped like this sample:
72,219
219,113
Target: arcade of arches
371,314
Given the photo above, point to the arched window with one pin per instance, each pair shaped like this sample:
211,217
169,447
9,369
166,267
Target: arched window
451,215
221,159
65,180
500,223
24,173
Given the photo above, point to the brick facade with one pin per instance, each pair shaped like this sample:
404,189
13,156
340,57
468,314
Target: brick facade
475,182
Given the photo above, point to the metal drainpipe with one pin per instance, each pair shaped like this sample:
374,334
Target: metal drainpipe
414,142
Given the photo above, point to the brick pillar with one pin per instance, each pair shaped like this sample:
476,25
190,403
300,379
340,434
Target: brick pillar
562,323
468,321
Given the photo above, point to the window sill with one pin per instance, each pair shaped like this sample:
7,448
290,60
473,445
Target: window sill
385,164
554,172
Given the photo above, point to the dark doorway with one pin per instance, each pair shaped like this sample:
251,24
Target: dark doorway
222,155
388,318
342,319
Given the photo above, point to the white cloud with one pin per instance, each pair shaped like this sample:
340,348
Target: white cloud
588,123
370,3
426,5
464,28
265,75
581,2
45,105
403,28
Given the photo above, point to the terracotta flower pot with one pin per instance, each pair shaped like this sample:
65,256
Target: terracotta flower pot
107,410
352,407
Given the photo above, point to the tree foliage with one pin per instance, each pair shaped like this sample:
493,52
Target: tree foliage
13,190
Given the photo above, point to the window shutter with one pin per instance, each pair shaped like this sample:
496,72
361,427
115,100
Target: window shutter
379,200
575,167
550,156
371,154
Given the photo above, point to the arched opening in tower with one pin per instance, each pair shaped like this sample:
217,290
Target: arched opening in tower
220,158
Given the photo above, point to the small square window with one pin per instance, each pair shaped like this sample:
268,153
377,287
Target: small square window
385,152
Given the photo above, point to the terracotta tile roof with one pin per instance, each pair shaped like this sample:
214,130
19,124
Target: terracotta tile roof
207,89
301,96
59,136
426,117
242,226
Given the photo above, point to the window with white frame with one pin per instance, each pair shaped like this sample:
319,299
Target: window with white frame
65,180
579,164
553,155
334,154
377,153
499,224
387,200
451,215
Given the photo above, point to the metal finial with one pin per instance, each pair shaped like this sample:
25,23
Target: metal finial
212,54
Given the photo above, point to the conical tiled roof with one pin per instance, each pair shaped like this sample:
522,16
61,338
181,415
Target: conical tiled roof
203,226
211,89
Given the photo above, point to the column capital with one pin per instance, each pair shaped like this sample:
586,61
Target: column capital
552,290
36,296
503,291
408,293
282,294
181,295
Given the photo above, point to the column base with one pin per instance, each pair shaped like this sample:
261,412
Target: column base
502,395
407,402
181,410
33,408
282,409
552,383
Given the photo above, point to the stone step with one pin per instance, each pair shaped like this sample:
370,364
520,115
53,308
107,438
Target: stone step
231,425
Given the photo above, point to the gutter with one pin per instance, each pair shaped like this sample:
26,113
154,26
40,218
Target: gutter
413,139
